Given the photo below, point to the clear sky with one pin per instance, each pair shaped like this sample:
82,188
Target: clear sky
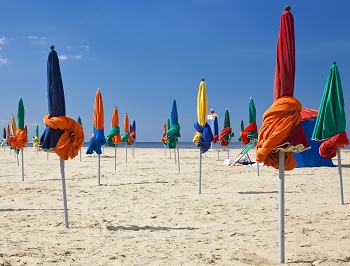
143,54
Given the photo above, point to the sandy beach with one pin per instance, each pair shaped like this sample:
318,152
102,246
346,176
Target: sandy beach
146,213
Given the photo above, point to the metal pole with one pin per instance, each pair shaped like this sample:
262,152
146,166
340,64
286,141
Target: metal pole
22,165
126,152
200,172
340,175
281,206
64,195
115,157
178,159
98,170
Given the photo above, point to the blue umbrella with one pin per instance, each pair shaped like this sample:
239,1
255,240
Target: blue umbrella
61,131
56,101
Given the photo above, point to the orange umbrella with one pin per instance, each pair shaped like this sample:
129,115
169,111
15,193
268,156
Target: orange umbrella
98,137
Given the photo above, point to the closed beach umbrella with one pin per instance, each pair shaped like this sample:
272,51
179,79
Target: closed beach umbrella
113,137
226,133
216,130
163,138
80,123
20,139
13,125
250,133
133,130
203,136
173,132
98,138
36,138
3,139
62,134
126,135
331,123
242,129
281,132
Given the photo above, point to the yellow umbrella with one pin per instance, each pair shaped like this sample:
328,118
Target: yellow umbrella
202,110
13,125
203,136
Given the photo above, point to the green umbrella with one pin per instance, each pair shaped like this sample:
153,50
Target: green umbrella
253,135
226,133
331,122
242,129
37,131
79,121
331,115
20,115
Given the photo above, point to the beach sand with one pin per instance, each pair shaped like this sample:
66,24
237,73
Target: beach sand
146,213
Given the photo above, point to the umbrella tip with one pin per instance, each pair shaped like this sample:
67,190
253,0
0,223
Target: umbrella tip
287,8
52,47
334,63
202,79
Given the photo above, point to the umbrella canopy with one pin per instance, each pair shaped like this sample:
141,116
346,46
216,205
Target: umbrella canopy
79,121
203,136
4,134
216,130
226,133
242,129
8,130
331,122
250,133
281,129
127,137
163,138
13,125
174,131
133,129
62,134
20,138
36,140
56,101
98,138
113,137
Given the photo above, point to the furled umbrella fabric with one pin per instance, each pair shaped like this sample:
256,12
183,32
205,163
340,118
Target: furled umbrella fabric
331,122
36,138
242,129
173,132
127,137
163,138
21,137
97,139
250,133
133,130
4,139
216,130
113,137
281,128
13,125
203,136
226,133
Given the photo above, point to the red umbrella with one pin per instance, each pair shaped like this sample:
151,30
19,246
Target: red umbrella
281,132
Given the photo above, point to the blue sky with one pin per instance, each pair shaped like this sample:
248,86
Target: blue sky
144,54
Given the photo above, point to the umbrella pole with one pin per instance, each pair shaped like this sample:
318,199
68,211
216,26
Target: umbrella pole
178,159
218,153
228,152
165,150
126,152
64,195
340,175
281,206
170,154
200,172
175,155
17,156
98,170
80,154
115,157
22,165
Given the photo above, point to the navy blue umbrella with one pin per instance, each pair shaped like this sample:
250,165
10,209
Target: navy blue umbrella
56,101
57,107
